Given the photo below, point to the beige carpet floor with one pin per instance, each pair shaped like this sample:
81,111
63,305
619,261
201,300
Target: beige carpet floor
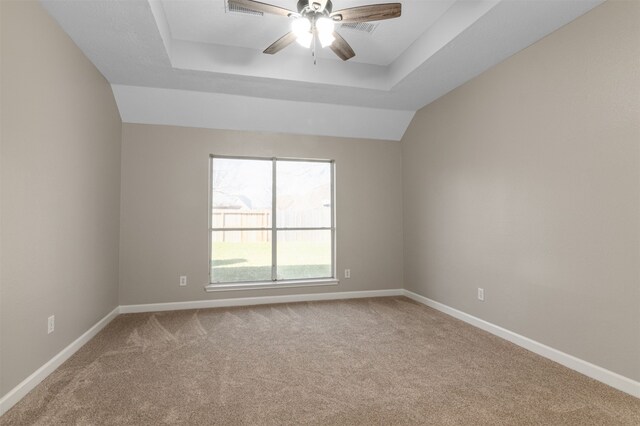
369,361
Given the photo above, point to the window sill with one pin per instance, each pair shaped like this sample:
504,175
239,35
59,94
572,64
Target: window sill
263,285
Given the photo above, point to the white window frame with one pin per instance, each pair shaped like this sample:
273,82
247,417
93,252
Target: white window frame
274,282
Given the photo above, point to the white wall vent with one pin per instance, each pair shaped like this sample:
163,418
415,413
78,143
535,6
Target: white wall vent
233,8
363,27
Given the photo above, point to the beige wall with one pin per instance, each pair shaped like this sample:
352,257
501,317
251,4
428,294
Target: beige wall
526,182
60,191
164,218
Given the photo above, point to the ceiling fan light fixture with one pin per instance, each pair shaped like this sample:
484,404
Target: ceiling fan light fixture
326,39
300,26
325,25
305,39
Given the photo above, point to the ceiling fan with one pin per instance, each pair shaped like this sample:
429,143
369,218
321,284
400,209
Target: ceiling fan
315,19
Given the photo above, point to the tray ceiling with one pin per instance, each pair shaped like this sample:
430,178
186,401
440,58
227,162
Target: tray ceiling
404,64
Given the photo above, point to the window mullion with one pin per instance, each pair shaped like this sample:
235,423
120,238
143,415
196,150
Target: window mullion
333,220
274,229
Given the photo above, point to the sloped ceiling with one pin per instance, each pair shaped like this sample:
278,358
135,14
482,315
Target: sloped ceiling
194,63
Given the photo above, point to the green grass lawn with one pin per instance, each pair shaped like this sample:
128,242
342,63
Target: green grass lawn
233,262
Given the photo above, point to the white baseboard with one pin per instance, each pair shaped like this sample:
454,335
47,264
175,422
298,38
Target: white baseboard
603,375
24,387
261,300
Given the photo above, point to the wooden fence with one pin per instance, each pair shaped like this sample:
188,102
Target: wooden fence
226,218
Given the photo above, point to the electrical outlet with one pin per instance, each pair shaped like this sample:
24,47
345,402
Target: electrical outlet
347,273
481,294
183,280
51,324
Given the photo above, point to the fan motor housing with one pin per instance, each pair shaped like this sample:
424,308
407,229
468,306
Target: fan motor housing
303,5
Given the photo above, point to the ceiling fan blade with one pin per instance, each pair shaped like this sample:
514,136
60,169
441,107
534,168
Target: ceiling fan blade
371,12
318,5
262,7
341,48
281,43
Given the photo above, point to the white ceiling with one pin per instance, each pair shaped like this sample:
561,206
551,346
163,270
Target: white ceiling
181,47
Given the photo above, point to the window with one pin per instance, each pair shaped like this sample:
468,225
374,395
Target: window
272,221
